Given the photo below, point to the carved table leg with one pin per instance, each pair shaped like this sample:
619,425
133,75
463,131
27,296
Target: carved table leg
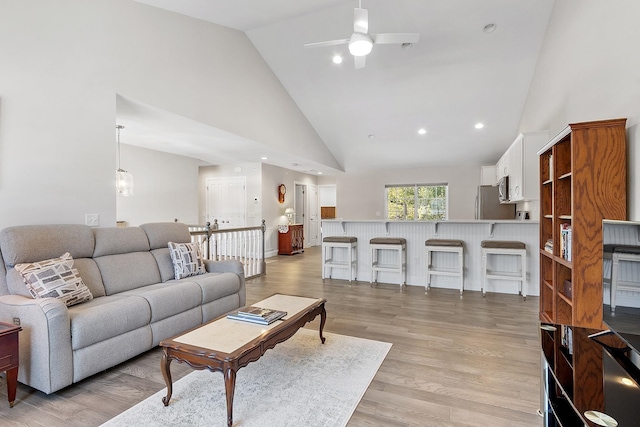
230,387
323,318
165,363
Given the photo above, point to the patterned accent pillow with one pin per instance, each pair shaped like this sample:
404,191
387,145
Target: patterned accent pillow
55,278
187,259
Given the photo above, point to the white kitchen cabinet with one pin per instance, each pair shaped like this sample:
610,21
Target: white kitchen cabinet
520,164
502,168
488,175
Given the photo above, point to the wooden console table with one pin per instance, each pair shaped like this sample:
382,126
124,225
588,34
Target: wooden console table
290,241
9,357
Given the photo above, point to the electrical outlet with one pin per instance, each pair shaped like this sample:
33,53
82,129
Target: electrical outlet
16,321
92,220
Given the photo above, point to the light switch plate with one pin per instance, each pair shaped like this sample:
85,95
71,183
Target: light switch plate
92,220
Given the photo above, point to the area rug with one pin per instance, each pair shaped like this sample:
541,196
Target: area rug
300,382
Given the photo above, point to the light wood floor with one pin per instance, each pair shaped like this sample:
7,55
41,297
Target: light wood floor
468,361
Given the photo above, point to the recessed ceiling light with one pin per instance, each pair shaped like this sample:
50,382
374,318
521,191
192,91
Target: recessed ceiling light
371,136
489,28
479,125
319,173
337,59
264,158
422,131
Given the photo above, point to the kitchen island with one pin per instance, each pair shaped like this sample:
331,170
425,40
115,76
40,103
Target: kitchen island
471,232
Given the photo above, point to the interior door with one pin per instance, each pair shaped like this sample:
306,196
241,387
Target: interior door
300,204
227,202
314,224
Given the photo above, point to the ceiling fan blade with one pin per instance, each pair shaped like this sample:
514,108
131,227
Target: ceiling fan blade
395,38
327,43
360,21
359,61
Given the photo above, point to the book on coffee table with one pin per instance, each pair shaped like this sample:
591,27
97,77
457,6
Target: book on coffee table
263,316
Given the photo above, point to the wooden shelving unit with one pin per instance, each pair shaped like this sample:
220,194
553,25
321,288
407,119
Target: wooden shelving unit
583,178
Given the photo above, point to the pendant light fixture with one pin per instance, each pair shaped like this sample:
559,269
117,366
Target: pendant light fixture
124,180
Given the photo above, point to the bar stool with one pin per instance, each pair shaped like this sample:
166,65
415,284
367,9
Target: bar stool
349,243
496,247
619,254
397,244
441,245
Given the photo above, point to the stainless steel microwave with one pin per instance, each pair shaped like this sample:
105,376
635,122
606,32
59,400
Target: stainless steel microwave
503,189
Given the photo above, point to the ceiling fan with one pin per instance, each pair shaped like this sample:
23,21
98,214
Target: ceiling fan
361,42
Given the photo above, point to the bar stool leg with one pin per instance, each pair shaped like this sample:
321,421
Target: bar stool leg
354,265
374,272
484,274
428,287
523,283
324,260
403,260
461,265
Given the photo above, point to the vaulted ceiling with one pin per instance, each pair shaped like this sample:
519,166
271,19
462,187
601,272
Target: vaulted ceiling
456,76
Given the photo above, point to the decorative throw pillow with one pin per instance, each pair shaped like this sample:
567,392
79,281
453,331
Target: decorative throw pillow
187,259
55,278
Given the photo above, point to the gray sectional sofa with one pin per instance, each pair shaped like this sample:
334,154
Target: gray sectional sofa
136,300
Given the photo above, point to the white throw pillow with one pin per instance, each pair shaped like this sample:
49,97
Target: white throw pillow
187,259
55,278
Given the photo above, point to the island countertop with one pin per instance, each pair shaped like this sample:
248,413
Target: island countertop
471,231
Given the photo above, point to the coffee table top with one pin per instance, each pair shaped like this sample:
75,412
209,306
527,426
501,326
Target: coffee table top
228,335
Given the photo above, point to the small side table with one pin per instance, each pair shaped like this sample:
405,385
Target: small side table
9,357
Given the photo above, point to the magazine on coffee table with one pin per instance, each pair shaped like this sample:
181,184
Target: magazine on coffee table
263,316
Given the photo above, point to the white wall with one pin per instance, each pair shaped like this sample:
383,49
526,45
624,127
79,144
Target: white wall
57,109
209,73
62,64
589,70
165,187
361,196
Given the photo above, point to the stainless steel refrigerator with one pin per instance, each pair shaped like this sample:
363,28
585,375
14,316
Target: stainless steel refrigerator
489,207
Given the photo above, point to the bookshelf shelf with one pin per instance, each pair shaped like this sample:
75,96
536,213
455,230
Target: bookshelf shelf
575,167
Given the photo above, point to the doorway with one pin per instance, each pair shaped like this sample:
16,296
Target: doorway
306,212
227,202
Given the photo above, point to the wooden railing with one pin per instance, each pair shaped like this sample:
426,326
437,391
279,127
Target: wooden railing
244,244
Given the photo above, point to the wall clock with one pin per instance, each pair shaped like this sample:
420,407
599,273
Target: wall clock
281,192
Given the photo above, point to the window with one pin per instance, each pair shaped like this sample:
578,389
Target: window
425,202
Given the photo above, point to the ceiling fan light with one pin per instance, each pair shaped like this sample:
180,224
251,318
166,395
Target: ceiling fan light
360,44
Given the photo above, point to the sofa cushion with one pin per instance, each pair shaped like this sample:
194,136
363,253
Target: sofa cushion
107,317
30,243
124,272
165,265
217,285
169,299
160,234
119,240
187,259
55,278
91,276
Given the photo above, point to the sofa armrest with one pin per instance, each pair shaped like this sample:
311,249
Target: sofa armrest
46,360
225,266
229,266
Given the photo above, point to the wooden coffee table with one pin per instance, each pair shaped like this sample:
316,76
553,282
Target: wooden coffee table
227,345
